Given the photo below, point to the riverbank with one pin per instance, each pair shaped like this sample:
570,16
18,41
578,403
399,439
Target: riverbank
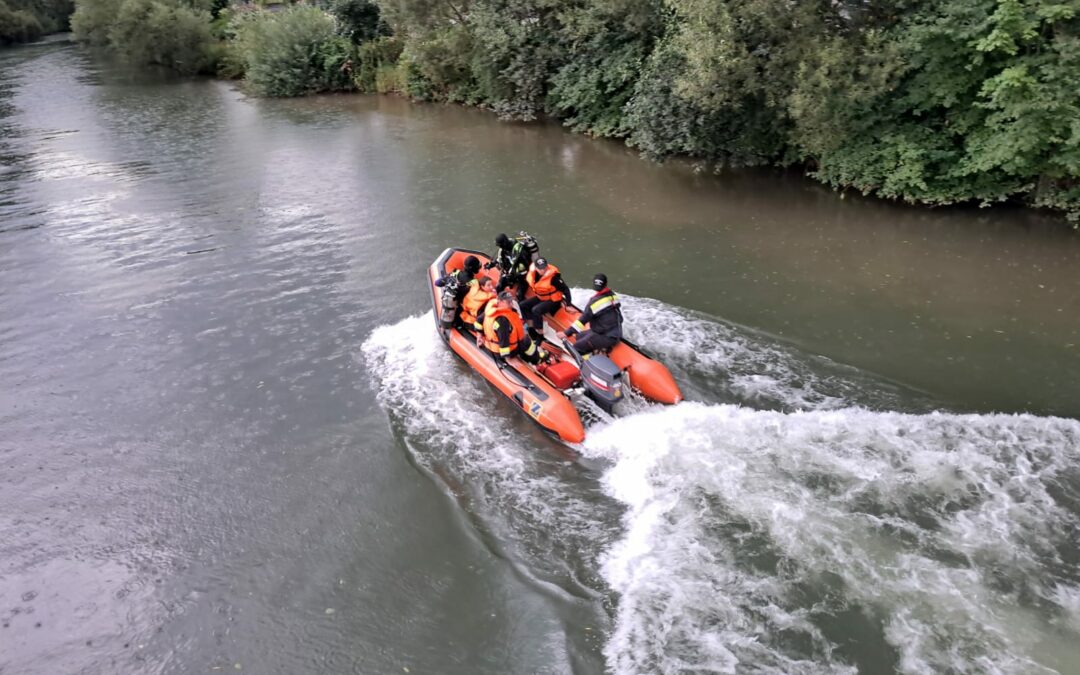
945,103
230,434
27,20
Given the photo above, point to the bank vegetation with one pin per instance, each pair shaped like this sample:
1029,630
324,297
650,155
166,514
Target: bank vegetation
27,20
926,101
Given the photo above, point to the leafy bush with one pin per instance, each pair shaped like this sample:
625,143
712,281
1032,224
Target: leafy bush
18,25
359,20
26,20
92,20
608,43
169,33
373,57
153,32
293,52
932,101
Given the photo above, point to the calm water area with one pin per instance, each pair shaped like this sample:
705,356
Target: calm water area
230,439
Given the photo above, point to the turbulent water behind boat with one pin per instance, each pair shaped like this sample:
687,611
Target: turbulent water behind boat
211,306
730,538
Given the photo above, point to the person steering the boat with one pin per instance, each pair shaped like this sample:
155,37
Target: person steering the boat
512,257
603,314
472,307
551,291
504,332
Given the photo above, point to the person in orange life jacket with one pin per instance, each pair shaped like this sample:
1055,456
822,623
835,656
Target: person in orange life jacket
551,291
472,307
504,332
464,279
603,314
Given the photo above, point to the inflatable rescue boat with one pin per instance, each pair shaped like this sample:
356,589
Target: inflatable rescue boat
549,393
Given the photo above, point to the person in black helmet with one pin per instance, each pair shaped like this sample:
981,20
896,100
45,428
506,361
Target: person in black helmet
512,259
462,279
603,314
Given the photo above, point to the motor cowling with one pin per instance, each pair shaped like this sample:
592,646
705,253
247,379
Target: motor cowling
603,381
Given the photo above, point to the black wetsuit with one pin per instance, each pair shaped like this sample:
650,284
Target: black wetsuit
512,264
464,279
534,309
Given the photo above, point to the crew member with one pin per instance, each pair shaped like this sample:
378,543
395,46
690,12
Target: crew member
472,307
504,332
603,314
462,281
464,278
512,259
551,291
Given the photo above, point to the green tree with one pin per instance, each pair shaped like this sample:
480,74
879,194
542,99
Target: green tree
18,25
152,32
293,52
359,20
974,100
607,43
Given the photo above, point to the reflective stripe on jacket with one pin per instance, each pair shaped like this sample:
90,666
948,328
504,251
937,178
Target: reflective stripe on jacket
603,313
494,317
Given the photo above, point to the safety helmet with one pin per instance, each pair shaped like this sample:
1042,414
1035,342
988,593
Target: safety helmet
541,263
502,241
599,281
472,264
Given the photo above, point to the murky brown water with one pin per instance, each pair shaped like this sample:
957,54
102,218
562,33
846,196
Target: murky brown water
212,456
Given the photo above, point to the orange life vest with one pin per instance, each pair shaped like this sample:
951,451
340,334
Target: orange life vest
517,330
472,304
542,285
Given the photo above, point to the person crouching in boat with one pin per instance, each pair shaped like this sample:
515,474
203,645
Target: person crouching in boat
472,307
461,281
551,291
603,314
504,332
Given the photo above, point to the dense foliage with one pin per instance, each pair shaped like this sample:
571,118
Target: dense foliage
170,33
933,101
930,101
293,52
25,20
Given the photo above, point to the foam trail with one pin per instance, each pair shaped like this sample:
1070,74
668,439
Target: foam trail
491,455
757,541
723,362
736,540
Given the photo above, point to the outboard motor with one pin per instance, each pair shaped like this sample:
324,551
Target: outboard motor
448,300
602,379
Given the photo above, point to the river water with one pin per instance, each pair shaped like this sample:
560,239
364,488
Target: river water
230,440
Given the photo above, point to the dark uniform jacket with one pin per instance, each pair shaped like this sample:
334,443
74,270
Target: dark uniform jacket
603,313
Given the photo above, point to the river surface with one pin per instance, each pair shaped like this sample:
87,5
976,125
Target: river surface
230,439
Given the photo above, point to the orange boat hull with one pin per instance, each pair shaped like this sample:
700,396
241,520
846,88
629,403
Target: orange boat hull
647,375
517,380
542,401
